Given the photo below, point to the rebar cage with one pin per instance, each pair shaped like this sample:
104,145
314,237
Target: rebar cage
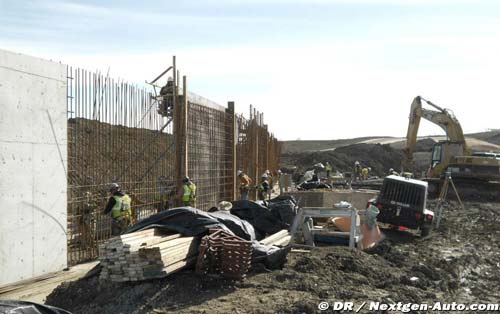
116,134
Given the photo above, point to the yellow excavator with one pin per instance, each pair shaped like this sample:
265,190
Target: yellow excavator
478,170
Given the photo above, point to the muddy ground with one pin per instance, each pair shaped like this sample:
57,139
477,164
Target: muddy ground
458,263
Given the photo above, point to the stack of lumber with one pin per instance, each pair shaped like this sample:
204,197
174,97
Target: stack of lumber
281,238
146,255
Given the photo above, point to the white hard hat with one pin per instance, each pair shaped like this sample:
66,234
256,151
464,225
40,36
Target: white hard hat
268,172
170,79
113,187
264,176
239,173
356,162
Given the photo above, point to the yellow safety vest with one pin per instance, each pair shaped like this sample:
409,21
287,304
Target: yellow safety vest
122,206
189,192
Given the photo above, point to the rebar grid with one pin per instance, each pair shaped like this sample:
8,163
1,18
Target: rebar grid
115,134
209,161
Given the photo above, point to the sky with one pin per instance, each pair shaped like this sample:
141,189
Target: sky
317,69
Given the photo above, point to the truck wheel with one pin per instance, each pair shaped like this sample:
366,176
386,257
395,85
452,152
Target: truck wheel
424,231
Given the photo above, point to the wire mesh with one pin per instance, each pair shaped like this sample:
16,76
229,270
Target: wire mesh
114,135
209,159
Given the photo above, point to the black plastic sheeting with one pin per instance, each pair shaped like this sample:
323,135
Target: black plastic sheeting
268,218
261,218
190,221
311,185
284,208
24,307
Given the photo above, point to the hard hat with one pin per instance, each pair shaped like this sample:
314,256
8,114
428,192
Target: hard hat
224,205
186,179
391,170
369,168
170,79
279,171
114,187
264,176
268,172
356,162
239,173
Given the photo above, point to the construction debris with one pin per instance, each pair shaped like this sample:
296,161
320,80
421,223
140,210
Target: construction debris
146,255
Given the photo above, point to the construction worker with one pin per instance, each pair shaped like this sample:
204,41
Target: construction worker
270,182
166,191
328,169
364,173
393,172
167,104
188,192
119,204
263,188
245,183
280,180
357,170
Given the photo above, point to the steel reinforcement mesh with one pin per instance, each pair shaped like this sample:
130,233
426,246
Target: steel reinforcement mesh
210,164
114,135
257,150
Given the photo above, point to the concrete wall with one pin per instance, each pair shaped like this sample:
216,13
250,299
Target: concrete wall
327,198
32,167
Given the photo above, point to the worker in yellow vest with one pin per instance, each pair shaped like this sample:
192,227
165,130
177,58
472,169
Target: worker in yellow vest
328,169
188,192
365,172
119,204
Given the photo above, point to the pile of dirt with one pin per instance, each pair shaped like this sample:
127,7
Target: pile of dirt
379,157
458,263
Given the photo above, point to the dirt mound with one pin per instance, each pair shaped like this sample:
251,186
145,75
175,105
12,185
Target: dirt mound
458,263
379,157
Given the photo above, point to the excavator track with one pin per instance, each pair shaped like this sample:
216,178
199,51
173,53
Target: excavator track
468,190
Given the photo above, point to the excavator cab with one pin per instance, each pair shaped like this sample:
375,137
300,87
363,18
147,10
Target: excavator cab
444,153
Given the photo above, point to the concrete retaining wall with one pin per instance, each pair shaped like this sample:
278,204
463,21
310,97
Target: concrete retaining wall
33,132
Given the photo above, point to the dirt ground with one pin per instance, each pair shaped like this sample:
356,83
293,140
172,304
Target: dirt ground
458,263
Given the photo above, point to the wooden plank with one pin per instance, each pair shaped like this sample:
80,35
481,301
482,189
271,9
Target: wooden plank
278,235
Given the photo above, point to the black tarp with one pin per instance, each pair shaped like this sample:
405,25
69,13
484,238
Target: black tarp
283,207
189,221
24,307
261,218
311,185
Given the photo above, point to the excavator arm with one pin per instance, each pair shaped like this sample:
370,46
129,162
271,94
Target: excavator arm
444,118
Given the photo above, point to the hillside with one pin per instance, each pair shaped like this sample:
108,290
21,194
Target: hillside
484,141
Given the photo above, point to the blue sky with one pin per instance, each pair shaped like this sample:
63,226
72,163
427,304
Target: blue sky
318,69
